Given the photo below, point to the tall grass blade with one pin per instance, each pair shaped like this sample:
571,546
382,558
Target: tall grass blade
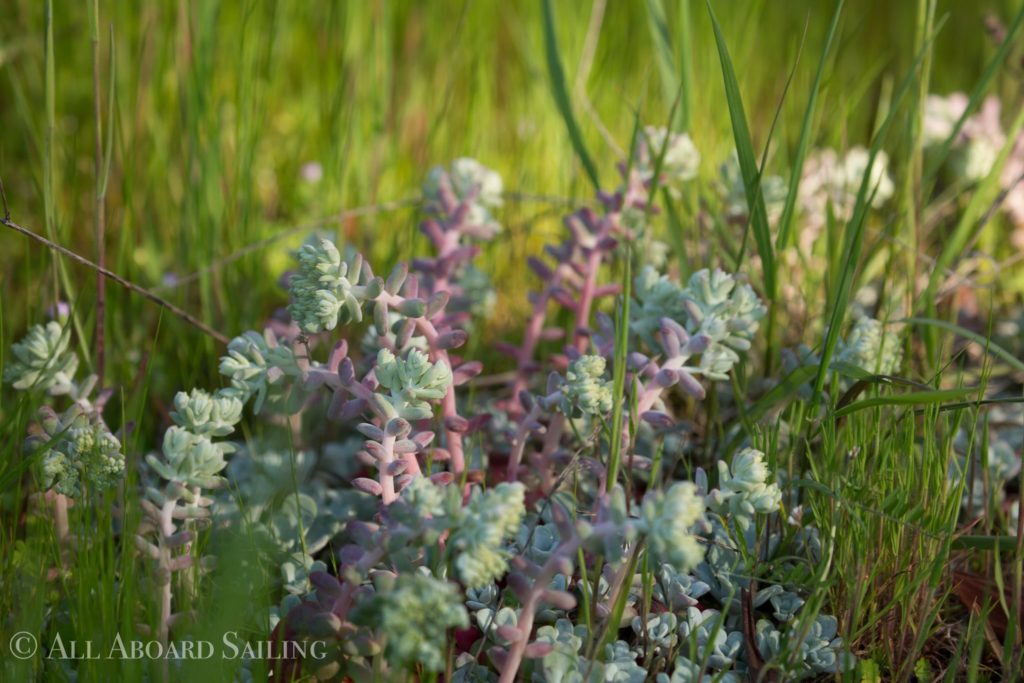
661,37
560,90
854,236
748,161
789,208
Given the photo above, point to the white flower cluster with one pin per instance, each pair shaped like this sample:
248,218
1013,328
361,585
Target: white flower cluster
415,614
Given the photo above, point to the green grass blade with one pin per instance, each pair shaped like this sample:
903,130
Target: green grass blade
619,375
560,89
985,343
789,208
685,65
747,159
657,24
913,398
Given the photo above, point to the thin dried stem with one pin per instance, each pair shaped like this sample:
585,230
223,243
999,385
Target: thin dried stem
130,286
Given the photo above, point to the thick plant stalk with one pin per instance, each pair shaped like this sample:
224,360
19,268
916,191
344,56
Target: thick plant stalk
438,354
387,481
535,594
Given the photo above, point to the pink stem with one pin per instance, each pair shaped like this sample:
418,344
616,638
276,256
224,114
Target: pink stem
387,481
586,300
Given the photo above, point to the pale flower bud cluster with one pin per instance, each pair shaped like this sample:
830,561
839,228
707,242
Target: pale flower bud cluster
668,518
322,292
81,453
415,613
486,523
585,389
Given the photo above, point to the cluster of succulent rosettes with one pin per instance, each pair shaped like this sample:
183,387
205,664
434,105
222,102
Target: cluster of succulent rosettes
713,305
190,456
744,489
411,382
465,185
258,367
208,414
396,392
681,159
415,613
326,290
478,531
42,361
77,450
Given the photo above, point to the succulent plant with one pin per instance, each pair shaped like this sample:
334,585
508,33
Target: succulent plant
667,518
487,522
744,490
414,613
412,381
42,361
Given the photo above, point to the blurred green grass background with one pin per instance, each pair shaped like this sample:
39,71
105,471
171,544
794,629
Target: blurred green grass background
219,107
